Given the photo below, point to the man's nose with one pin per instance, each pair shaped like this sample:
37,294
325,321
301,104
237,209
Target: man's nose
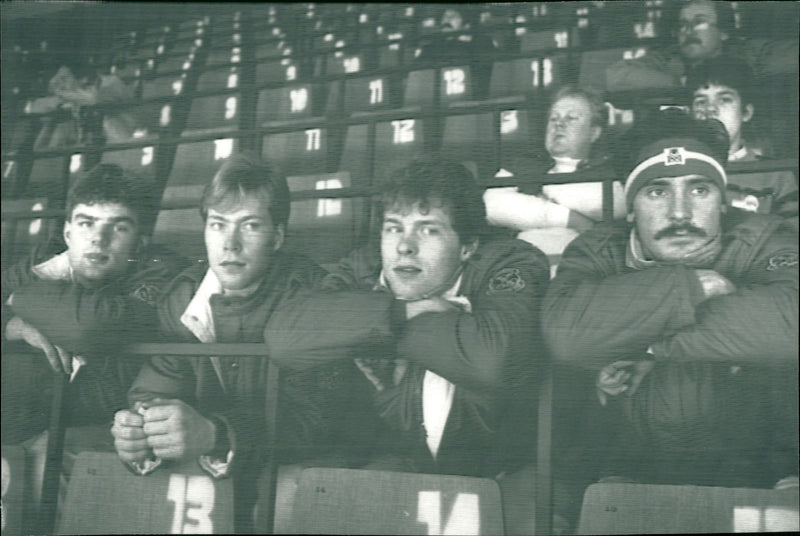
680,209
232,241
407,245
102,235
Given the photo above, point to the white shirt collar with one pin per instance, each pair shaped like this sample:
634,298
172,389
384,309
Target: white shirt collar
198,317
737,155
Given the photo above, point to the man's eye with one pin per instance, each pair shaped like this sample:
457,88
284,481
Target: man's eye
430,231
122,228
215,225
701,190
252,226
656,192
391,229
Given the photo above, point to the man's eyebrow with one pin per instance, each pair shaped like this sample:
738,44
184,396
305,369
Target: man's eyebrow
127,219
658,182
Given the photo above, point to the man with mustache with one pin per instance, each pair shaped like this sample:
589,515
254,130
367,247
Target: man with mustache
442,322
211,409
705,29
687,315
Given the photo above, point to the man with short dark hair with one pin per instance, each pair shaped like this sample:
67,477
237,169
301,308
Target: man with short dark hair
705,29
442,323
78,305
688,314
723,89
212,408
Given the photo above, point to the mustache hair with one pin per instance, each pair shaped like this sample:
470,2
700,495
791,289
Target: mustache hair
673,230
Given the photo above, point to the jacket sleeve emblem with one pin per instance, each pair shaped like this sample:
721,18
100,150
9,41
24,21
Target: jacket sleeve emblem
148,293
506,280
785,260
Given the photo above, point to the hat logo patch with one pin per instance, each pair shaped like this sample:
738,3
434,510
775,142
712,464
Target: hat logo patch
674,156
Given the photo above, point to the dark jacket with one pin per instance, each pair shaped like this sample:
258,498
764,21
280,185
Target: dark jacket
491,355
597,309
666,68
93,322
233,389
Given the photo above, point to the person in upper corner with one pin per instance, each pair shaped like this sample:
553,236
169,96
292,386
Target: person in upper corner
77,303
688,314
443,324
211,409
76,87
706,29
723,89
550,216
461,40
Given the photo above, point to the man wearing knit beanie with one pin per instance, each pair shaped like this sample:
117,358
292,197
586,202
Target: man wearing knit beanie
687,314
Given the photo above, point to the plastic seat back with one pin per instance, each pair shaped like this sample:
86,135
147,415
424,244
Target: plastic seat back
103,497
13,484
351,501
656,509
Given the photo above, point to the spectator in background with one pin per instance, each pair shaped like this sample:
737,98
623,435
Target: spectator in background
442,323
75,89
688,315
706,29
550,216
723,89
461,41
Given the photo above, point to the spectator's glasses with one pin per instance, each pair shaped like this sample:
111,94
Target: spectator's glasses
694,24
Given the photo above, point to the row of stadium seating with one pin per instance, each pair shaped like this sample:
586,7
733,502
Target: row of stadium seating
335,130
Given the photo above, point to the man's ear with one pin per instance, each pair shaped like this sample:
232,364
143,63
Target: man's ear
67,232
467,250
280,234
749,110
596,131
631,217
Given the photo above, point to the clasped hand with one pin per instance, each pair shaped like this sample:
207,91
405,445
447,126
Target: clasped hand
621,377
169,429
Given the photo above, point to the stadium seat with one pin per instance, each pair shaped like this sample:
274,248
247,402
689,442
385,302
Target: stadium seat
658,509
19,236
219,78
181,229
274,70
471,138
13,484
150,119
356,158
521,132
172,62
162,86
323,229
396,144
546,40
368,94
139,160
287,103
221,56
213,114
103,497
196,162
595,62
419,88
515,79
297,153
351,501
47,178
455,84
